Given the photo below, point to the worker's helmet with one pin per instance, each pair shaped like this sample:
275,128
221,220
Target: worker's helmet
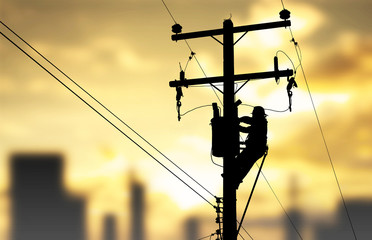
258,111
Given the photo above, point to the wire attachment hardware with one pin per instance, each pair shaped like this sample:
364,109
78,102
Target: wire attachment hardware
219,219
291,83
192,54
285,14
179,94
294,42
176,28
178,99
276,70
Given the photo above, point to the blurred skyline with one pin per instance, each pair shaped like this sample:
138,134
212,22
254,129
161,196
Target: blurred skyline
121,52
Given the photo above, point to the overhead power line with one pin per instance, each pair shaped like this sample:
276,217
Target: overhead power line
102,105
196,59
326,147
100,114
281,205
299,56
170,14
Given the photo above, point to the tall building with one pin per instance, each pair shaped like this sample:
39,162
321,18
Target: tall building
294,213
192,228
360,212
137,211
41,209
110,228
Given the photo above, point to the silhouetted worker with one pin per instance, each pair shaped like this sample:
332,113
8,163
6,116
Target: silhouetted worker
255,142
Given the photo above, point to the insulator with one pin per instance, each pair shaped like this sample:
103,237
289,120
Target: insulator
176,28
182,78
291,83
182,75
218,209
218,136
179,93
218,133
285,14
276,69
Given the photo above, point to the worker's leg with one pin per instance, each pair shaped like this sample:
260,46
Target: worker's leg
245,161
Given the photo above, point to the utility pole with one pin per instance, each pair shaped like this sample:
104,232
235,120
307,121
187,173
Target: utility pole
230,107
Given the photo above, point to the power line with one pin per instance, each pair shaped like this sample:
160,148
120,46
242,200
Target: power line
101,115
205,75
244,231
191,110
219,165
299,56
294,67
324,140
209,236
196,59
170,14
102,105
267,109
281,205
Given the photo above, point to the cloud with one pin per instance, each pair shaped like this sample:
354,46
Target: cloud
121,51
347,60
346,131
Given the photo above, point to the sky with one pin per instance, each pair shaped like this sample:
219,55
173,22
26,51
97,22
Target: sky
121,52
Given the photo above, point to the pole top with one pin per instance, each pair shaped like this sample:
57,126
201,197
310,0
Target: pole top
228,23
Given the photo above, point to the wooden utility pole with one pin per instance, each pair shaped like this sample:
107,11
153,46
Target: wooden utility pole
230,108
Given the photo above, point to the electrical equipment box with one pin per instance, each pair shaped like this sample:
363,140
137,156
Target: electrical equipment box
218,133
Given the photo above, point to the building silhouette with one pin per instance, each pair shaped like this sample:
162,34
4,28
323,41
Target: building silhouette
297,220
360,211
110,228
137,204
41,209
192,229
294,212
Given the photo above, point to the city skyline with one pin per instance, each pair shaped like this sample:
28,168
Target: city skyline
38,194
121,52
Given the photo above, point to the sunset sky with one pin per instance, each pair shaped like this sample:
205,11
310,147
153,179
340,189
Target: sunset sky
121,52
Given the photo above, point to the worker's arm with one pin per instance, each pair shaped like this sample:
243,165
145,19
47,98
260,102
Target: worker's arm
245,119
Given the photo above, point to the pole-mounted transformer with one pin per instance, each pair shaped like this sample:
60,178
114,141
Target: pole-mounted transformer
218,133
